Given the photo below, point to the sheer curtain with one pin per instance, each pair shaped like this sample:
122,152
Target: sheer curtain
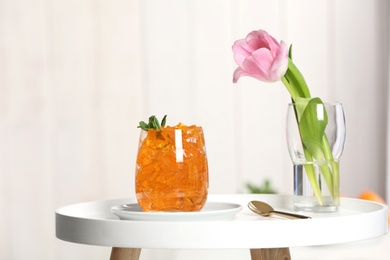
388,123
388,113
388,153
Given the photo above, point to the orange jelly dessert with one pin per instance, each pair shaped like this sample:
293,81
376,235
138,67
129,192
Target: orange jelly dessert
172,170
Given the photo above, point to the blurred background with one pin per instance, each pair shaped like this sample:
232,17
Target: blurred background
76,77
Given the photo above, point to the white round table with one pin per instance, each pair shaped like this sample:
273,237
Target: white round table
93,223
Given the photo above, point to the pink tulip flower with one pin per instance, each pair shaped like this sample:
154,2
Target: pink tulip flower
260,56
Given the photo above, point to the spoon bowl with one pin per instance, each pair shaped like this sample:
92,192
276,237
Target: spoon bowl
265,210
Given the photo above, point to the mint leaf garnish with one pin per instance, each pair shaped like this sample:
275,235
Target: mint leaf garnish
153,123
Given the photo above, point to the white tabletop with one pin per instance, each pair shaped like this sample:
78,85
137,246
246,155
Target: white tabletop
93,223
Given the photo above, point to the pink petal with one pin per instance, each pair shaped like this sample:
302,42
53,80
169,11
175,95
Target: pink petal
241,51
280,63
238,73
260,56
253,69
273,45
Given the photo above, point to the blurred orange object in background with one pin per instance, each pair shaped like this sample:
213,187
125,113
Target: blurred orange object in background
373,196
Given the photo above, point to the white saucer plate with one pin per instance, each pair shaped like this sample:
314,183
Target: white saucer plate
212,211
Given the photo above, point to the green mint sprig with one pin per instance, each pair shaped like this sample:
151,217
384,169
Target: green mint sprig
153,123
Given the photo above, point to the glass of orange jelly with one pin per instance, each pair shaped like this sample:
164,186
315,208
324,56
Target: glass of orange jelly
172,170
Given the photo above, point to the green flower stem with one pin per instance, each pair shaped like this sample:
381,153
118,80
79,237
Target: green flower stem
336,182
311,175
293,86
335,169
327,151
291,90
297,84
297,87
328,176
324,151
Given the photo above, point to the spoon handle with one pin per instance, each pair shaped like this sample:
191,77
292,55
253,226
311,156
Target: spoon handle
289,215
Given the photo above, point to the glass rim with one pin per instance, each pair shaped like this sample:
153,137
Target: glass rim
330,103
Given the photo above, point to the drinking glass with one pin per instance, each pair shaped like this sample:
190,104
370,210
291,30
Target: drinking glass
172,169
315,139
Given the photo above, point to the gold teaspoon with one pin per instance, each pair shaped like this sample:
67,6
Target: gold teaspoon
265,210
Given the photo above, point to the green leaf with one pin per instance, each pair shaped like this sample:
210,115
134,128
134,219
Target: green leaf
312,121
153,123
143,126
290,52
298,86
265,188
163,121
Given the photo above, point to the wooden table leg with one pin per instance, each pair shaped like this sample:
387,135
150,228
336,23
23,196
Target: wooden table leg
270,254
118,253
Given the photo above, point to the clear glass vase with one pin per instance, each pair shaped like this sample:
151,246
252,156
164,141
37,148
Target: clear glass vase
172,169
315,137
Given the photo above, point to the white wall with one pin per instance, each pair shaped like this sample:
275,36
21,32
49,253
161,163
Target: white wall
77,76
